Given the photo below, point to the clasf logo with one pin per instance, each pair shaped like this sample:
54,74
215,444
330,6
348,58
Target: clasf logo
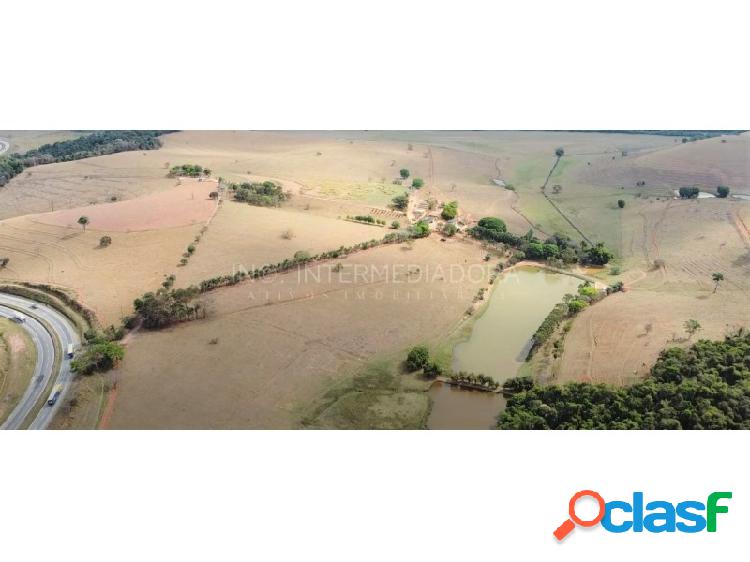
655,517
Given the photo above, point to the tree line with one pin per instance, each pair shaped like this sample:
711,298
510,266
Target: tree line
168,305
704,387
557,248
98,143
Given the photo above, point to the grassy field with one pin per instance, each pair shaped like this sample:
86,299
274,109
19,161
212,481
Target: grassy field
22,141
321,349
17,362
618,339
378,396
281,342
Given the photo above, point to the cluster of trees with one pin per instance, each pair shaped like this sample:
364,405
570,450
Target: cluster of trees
419,230
86,146
689,192
558,247
266,194
450,210
480,380
401,202
704,387
418,358
167,306
189,170
518,384
100,353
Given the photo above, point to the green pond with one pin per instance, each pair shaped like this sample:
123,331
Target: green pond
499,342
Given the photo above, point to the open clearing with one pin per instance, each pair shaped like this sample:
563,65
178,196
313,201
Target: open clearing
242,235
17,361
287,340
283,339
23,141
618,339
147,243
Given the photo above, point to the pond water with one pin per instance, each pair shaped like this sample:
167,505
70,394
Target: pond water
499,342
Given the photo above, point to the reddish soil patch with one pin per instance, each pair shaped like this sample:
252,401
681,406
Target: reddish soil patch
183,205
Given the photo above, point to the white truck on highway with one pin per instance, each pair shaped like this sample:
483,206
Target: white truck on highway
70,351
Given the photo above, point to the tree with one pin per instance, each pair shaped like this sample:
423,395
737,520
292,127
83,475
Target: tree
417,358
214,195
691,327
621,203
395,225
599,254
450,229
559,152
557,188
420,229
401,202
417,183
717,278
576,305
105,241
432,370
450,210
4,262
404,173
83,221
493,223
688,192
722,191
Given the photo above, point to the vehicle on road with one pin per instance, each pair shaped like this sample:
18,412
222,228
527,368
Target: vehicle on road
69,352
54,395
19,317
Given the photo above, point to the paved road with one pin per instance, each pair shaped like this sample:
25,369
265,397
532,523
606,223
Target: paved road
4,145
65,333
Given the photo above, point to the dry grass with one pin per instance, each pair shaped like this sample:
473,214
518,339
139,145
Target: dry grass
282,339
618,339
22,141
17,361
243,235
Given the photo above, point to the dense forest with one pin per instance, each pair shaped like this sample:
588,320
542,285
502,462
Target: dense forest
704,387
694,135
86,146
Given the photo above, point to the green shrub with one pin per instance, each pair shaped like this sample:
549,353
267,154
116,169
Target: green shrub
417,358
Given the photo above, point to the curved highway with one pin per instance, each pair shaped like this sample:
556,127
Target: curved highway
45,376
4,145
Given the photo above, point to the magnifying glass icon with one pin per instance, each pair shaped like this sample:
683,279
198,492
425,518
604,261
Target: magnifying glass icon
562,531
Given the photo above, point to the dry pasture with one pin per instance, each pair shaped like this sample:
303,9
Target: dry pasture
279,341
